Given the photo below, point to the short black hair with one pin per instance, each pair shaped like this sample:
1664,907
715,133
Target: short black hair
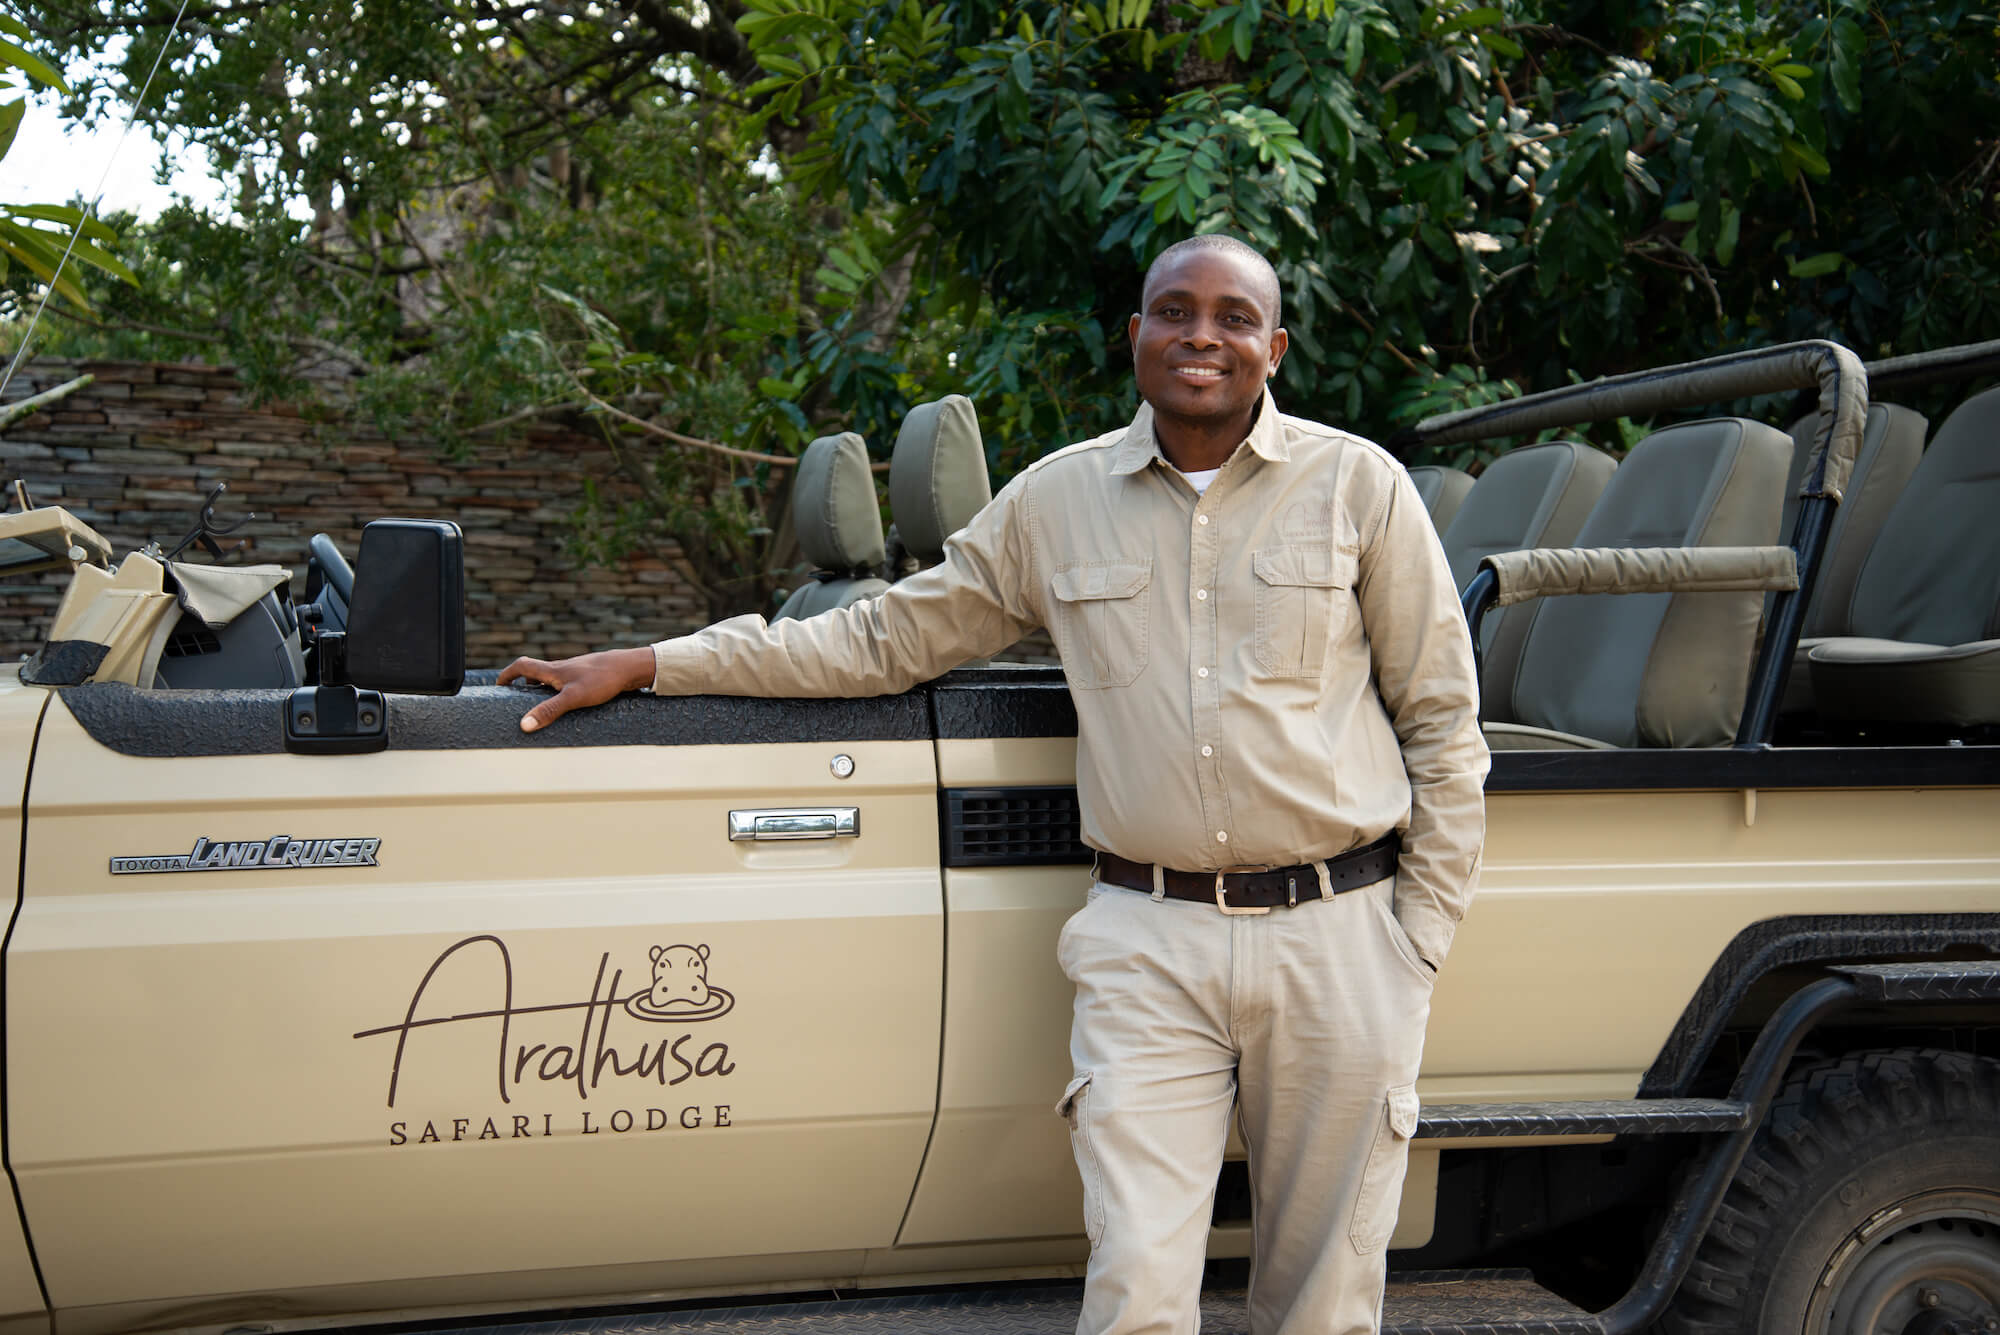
1221,242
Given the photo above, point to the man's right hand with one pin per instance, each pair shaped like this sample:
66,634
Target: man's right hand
589,679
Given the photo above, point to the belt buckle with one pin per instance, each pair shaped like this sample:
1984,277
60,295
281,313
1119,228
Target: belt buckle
1221,892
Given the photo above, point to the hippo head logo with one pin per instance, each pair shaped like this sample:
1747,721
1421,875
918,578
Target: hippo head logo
680,976
680,989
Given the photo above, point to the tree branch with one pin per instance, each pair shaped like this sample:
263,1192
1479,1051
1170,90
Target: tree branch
1693,265
1559,35
303,342
719,44
135,326
13,412
532,413
1404,75
127,24
1394,351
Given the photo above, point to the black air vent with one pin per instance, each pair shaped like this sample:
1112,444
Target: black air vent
1012,827
191,639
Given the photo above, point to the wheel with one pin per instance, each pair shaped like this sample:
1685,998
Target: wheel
1869,1204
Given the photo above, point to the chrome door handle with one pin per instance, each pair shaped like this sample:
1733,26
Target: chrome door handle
795,823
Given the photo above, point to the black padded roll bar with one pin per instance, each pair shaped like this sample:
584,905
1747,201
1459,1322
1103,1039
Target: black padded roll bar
1834,371
1933,368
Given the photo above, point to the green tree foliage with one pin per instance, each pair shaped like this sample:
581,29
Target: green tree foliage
35,237
480,216
747,222
1463,198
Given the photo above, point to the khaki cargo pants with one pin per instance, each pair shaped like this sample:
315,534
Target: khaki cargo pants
1309,1022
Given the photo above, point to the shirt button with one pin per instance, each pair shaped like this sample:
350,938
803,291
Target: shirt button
1201,595
1208,750
1222,836
1201,519
1201,672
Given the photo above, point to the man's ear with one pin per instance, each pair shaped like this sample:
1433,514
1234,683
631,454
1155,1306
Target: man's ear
1132,334
1280,340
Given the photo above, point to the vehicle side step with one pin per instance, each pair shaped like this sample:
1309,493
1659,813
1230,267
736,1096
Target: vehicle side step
1626,1117
1493,1302
1956,980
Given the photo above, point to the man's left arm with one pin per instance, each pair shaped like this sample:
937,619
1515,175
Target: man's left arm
1422,656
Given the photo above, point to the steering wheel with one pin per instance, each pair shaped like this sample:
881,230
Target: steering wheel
329,583
333,565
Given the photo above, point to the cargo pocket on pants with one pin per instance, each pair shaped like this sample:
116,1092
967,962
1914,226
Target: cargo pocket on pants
1075,1105
1382,1181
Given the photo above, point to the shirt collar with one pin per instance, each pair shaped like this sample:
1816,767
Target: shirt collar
1140,446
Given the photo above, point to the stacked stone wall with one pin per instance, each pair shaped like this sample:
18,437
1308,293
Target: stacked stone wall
134,453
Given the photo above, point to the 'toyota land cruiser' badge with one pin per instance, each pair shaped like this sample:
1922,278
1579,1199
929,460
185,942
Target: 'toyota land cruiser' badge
279,852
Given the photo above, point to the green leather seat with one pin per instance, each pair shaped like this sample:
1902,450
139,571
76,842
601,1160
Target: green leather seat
1535,496
1892,443
1924,620
1654,669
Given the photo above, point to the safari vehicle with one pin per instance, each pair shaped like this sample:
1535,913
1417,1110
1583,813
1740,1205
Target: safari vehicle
332,998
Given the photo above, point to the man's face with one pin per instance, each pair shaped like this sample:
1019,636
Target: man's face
1204,340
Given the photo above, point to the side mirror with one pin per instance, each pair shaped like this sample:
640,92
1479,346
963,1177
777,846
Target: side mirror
406,628
405,633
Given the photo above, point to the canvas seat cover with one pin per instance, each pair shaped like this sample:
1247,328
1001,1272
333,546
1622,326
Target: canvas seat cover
1924,619
1535,496
1892,443
1443,490
839,524
110,626
937,475
1655,669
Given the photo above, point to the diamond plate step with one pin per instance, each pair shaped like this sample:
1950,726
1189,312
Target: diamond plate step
1444,1302
1969,980
1431,1303
1628,1117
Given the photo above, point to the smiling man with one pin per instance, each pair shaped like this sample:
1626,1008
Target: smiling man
1279,765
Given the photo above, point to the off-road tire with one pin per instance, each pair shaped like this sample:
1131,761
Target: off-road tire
1816,1200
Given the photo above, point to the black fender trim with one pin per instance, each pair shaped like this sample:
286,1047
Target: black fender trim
1777,943
1700,1195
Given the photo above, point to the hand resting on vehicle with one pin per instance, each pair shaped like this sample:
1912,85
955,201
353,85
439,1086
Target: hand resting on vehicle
588,679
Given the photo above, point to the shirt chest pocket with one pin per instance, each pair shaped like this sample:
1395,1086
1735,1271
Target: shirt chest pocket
1304,592
1101,610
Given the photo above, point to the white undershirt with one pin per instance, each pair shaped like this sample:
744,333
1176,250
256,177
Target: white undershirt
1199,481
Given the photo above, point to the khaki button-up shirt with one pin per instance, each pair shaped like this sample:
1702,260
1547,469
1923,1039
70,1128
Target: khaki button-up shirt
1270,673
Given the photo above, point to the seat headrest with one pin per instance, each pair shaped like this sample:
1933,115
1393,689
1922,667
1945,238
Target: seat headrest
937,476
1532,496
1442,490
834,509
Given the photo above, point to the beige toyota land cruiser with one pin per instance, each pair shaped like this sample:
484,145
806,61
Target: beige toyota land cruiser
334,999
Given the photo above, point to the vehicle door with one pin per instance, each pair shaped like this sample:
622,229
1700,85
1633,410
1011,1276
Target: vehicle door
482,1004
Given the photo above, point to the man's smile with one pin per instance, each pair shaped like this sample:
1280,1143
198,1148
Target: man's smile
1201,372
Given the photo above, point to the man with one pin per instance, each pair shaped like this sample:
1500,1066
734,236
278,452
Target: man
1270,671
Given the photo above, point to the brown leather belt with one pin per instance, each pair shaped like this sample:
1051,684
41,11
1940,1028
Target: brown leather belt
1259,889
